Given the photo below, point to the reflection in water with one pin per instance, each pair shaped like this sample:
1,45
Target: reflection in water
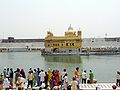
64,59
104,67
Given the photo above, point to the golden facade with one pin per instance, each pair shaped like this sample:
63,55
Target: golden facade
70,40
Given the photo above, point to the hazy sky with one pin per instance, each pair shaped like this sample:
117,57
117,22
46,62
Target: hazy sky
33,18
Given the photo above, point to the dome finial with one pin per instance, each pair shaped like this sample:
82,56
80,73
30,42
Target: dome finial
70,28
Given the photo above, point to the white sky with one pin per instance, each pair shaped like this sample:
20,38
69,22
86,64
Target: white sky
33,18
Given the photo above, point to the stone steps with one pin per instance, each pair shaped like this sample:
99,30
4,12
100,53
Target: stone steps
103,86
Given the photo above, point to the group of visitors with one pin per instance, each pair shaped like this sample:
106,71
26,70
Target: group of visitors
8,78
36,77
52,79
81,77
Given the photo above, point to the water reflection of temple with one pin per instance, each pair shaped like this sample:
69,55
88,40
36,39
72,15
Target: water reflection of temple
64,59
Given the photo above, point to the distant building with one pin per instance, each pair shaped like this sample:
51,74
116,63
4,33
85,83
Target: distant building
12,44
12,40
70,42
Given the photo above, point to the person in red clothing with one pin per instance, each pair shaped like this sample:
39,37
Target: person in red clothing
57,75
1,81
76,74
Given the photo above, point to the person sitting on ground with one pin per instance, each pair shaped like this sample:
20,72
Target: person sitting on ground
74,84
19,83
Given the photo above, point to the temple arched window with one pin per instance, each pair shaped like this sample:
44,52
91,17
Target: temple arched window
66,44
73,44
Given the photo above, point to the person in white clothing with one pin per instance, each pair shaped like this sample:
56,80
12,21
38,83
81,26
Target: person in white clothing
6,83
62,76
63,73
65,84
84,77
42,75
23,80
98,87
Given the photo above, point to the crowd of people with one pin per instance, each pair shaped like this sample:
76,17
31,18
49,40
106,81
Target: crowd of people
52,79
